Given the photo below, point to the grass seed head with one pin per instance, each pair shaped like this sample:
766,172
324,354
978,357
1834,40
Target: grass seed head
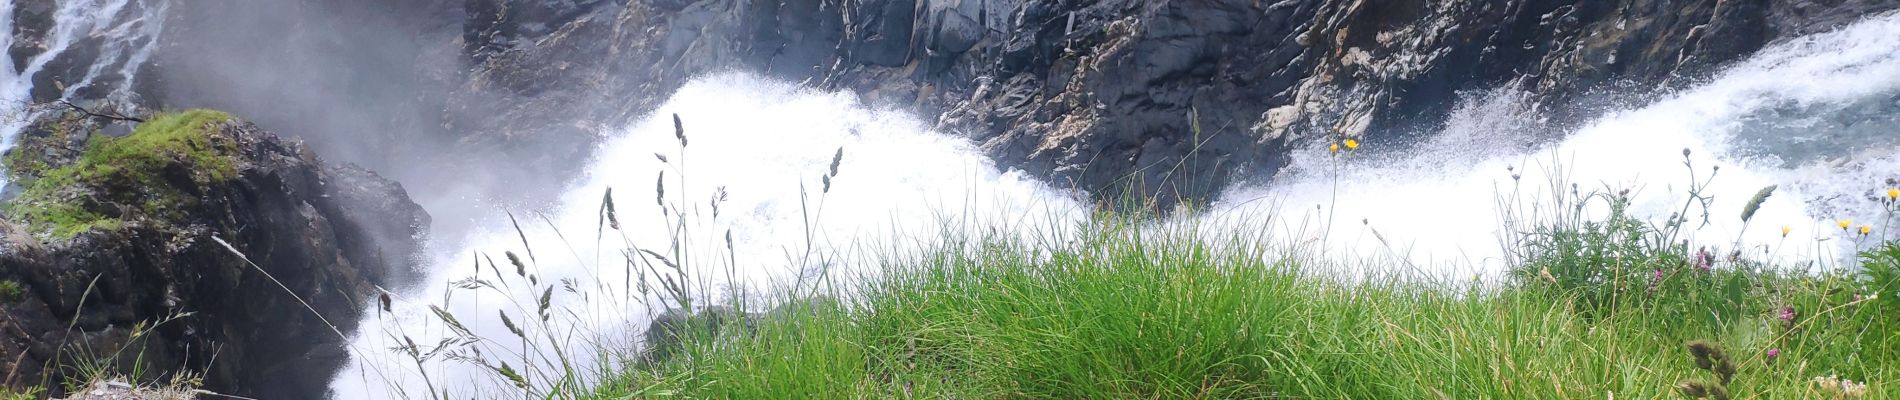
520,269
1754,204
659,190
1693,388
835,159
1703,352
679,130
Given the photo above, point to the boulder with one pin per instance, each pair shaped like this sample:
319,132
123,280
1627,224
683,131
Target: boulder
197,243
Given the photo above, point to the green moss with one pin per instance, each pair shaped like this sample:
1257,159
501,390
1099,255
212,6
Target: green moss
22,162
115,172
28,158
162,141
11,291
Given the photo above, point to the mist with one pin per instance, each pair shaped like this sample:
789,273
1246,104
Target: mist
366,82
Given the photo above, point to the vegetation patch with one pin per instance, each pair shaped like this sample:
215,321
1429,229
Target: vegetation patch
16,394
1137,317
144,174
1600,305
11,292
30,157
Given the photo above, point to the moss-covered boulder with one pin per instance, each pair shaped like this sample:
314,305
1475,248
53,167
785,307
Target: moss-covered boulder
157,171
115,225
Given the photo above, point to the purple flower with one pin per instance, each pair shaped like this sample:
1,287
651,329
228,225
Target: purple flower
1656,277
1772,353
1787,315
1704,260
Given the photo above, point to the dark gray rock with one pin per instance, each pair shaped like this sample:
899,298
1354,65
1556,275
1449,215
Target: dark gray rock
327,233
1100,94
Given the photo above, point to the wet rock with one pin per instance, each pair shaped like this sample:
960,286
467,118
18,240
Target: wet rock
125,244
1104,95
667,334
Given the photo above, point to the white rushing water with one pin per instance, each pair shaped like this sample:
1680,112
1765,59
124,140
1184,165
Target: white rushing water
128,32
760,141
1819,116
1814,116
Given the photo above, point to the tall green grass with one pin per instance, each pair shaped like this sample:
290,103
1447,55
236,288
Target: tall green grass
1598,305
1128,313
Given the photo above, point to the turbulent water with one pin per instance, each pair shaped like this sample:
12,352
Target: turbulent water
1814,116
766,148
128,29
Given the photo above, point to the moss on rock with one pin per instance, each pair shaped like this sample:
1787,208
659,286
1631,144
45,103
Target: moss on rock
11,291
131,177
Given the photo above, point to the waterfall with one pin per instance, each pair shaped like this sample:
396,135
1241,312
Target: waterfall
764,148
1815,115
127,32
1811,115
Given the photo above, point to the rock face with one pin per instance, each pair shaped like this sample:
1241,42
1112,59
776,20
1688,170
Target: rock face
113,252
1167,98
1106,95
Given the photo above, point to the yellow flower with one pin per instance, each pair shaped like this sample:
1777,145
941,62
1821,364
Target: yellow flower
1846,223
1893,194
1864,230
1785,229
1335,148
1352,144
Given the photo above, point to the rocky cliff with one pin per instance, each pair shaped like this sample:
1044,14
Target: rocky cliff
110,255
1174,99
1106,95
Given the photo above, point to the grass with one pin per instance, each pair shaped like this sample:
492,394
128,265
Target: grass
1129,314
57,203
28,394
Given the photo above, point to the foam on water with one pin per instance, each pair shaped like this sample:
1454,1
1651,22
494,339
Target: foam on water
1436,202
765,143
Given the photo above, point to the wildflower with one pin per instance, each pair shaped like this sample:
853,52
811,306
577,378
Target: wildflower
1840,388
1334,148
1704,260
1893,194
1352,144
1787,315
1859,298
1846,223
1656,277
1773,353
1864,230
1785,229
